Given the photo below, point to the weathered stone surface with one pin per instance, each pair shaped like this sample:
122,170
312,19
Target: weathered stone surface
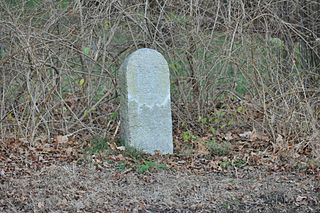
145,112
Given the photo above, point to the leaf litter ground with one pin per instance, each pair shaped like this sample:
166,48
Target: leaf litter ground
71,188
51,178
234,170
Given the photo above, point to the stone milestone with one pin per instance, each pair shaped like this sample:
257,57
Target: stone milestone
145,109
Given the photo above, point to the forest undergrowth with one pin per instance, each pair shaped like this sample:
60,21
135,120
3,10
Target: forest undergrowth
244,80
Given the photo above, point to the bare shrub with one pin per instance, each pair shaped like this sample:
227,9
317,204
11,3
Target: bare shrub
59,62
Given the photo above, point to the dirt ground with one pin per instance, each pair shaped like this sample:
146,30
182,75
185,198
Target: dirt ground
74,188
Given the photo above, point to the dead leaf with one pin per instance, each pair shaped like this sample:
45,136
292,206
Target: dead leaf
202,148
63,202
228,136
254,135
116,158
279,139
246,135
40,205
113,146
69,151
121,148
40,158
2,173
300,198
62,139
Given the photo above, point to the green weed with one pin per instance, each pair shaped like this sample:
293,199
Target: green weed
219,149
114,116
187,136
241,109
239,163
150,165
97,146
225,164
64,4
121,167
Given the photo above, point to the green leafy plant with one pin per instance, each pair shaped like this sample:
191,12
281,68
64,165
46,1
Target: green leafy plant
187,136
98,145
121,167
82,82
219,149
86,51
150,165
241,109
32,3
114,115
225,164
226,205
241,85
213,131
239,163
64,4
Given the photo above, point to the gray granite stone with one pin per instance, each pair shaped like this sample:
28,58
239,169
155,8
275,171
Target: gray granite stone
145,107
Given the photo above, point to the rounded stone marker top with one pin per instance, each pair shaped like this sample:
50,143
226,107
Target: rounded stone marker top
147,77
